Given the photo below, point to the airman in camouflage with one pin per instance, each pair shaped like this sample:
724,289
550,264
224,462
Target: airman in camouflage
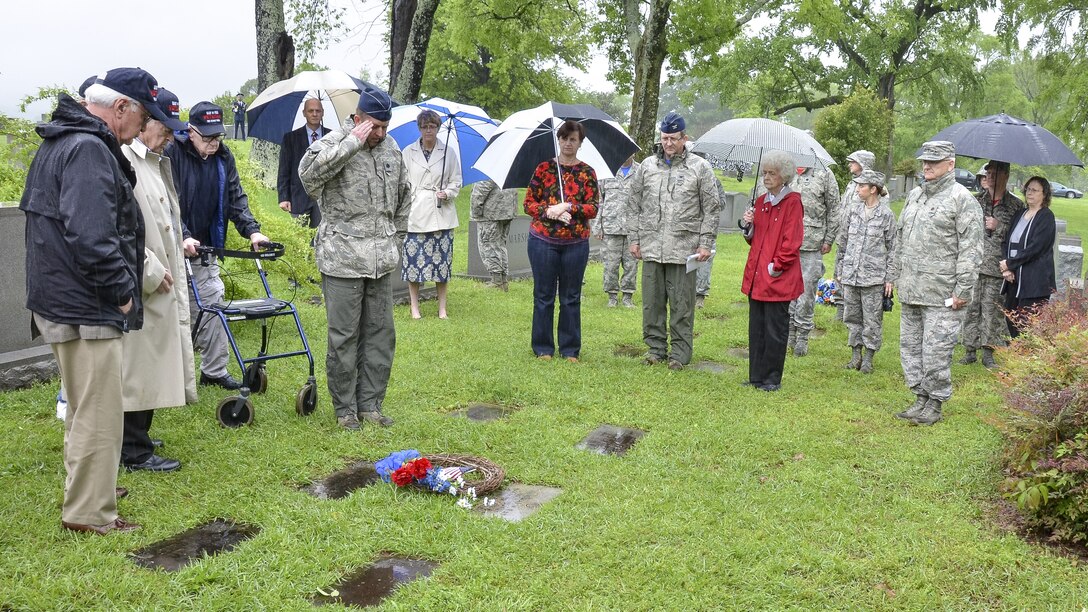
857,162
359,178
864,266
611,227
984,323
939,248
702,275
492,209
672,211
820,199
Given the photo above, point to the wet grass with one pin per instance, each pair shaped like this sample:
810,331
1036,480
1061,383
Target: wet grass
812,497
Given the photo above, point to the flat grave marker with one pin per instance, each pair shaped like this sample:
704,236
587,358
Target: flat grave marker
342,483
369,585
211,538
516,501
611,440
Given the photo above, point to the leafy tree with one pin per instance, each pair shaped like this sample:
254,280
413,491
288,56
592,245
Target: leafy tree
816,52
315,24
505,55
859,122
412,26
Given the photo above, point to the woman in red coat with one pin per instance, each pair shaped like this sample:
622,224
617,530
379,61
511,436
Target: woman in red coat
773,227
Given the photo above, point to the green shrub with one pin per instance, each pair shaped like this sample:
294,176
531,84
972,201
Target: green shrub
1047,393
15,157
905,167
861,122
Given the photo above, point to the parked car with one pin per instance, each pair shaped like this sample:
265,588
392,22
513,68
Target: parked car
1057,190
967,179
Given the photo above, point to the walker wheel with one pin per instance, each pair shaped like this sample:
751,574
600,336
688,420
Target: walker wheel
256,379
234,411
306,400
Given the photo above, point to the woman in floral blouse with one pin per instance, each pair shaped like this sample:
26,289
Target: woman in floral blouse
559,243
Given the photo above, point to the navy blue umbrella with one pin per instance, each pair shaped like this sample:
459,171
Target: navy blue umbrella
1008,139
278,109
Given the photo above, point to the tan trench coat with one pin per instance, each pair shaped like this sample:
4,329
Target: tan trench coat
427,179
158,369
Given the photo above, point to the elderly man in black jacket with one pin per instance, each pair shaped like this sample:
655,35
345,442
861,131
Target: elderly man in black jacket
293,197
210,193
84,268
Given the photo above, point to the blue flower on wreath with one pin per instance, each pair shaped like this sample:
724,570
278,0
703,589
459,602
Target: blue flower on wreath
385,467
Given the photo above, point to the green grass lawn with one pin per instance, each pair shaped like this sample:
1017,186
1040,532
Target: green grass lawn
813,497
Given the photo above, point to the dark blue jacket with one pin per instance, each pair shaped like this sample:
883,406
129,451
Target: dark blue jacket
84,230
205,218
1034,262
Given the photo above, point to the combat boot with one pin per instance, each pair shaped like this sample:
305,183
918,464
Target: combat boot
930,415
792,338
915,409
800,345
628,302
969,357
699,299
496,280
505,283
988,358
867,361
840,311
855,361
613,301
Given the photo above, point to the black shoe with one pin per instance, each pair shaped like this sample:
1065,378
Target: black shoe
226,381
770,387
749,383
155,463
157,443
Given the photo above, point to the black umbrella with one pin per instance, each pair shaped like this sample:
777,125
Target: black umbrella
1008,139
527,138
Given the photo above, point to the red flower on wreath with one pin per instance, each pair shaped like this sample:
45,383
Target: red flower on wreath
402,476
419,468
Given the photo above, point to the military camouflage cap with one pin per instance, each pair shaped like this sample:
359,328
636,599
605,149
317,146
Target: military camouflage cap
863,158
937,150
983,170
870,177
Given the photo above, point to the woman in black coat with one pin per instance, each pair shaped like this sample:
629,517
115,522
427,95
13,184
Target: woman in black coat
1028,267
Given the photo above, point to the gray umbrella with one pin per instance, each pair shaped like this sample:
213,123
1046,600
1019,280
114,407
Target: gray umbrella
745,140
1008,139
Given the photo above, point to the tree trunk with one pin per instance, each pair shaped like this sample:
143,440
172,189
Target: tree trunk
275,62
648,55
885,90
401,20
409,78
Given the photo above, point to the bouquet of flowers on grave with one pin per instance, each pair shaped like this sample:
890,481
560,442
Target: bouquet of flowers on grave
828,292
410,468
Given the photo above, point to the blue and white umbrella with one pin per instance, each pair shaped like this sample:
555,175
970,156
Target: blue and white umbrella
465,128
278,109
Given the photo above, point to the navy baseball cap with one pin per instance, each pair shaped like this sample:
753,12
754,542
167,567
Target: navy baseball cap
170,106
207,118
135,83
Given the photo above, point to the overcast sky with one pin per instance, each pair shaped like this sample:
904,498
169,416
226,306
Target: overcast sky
197,48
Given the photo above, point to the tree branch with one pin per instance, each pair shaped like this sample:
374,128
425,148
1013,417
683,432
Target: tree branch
810,106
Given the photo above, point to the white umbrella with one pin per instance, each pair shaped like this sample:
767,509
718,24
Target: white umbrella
528,137
278,109
745,140
465,128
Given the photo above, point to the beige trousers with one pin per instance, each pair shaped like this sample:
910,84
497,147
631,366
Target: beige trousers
91,373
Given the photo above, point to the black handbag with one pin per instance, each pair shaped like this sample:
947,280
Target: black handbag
889,302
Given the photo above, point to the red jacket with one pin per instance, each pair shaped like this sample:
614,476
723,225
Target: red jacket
776,237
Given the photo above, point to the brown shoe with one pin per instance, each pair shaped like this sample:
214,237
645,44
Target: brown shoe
348,421
675,365
376,417
118,524
120,492
544,357
572,359
652,360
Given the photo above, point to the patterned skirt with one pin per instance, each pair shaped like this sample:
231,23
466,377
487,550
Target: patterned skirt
428,257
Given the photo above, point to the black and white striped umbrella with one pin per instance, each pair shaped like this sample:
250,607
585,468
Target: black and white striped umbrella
746,140
528,137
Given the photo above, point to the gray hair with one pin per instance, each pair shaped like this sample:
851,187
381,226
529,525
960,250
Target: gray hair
100,95
780,161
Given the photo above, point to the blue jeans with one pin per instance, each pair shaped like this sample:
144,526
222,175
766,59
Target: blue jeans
557,268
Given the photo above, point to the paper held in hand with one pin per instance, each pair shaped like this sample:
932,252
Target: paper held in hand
695,264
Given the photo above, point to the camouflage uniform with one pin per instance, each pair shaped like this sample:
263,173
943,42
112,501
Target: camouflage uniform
492,209
984,324
939,247
365,198
863,264
672,211
611,222
702,275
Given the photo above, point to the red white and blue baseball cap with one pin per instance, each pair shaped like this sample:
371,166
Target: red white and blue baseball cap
207,118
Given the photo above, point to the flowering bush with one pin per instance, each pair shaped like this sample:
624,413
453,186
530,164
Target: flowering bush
409,467
1046,380
828,291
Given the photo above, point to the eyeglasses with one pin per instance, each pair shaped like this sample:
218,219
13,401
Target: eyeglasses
145,116
1033,190
429,128
671,139
207,139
